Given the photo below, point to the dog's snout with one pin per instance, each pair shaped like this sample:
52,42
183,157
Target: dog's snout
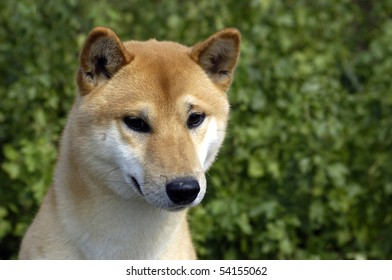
183,191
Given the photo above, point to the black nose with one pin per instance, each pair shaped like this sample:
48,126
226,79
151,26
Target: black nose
183,191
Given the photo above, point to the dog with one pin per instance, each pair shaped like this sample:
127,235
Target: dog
146,125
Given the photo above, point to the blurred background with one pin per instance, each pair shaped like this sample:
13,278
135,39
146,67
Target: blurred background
306,169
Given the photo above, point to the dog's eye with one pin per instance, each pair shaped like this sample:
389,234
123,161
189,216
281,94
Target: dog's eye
195,119
137,124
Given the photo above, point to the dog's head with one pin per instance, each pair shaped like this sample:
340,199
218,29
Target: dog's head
152,115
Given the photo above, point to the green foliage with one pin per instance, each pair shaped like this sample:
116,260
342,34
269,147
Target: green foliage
305,171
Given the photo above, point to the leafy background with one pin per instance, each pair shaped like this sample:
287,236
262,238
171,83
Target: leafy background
306,169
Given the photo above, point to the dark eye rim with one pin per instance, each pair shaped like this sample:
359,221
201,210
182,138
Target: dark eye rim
195,120
137,124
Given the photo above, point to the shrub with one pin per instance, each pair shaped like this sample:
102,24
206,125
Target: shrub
305,170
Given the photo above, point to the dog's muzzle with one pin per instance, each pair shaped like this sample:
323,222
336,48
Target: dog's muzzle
183,191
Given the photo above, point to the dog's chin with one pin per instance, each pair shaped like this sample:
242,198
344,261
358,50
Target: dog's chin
172,207
176,208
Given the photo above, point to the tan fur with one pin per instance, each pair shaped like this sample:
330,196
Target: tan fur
96,209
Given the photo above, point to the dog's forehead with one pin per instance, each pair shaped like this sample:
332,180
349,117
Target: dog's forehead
161,80
165,71
153,46
161,63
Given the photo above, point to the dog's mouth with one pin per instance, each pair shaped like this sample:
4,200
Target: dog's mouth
172,204
137,185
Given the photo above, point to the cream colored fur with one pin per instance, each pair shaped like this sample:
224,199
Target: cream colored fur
128,136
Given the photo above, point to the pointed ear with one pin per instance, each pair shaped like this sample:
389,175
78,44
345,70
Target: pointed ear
103,54
218,56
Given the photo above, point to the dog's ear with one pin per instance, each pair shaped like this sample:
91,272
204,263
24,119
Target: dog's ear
102,55
218,56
